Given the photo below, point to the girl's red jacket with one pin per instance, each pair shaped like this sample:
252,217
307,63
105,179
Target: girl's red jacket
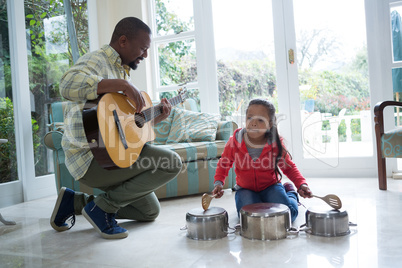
259,174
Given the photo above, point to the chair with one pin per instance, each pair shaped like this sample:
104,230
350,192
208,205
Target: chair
388,143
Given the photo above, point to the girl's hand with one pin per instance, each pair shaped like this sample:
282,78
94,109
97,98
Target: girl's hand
304,191
218,191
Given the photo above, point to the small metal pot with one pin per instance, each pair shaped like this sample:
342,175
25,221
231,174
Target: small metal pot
206,225
266,221
324,222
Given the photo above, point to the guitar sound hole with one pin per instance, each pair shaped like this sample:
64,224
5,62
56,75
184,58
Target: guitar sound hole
139,120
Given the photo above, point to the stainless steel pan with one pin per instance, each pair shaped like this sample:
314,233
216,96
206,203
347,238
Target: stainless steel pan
266,221
326,222
207,224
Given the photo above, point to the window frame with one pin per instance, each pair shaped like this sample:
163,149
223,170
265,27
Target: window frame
207,81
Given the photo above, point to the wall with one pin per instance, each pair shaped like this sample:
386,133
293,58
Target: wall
102,23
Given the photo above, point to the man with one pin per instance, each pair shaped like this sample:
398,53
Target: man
129,192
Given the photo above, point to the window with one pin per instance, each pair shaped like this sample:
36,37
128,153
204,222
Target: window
396,27
49,56
8,156
178,51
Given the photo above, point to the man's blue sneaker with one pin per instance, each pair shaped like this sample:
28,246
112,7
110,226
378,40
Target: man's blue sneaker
63,210
103,222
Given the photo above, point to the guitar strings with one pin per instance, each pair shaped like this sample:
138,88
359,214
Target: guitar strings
152,112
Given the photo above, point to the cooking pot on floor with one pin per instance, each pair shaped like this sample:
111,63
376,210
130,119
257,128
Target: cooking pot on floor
207,225
266,221
326,222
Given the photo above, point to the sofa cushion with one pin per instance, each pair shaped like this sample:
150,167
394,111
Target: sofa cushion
192,151
225,130
188,126
162,129
391,143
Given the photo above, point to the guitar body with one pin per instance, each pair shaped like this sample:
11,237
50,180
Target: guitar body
106,137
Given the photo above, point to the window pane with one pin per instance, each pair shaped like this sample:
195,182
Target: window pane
8,157
333,78
177,61
396,28
396,32
191,94
174,16
49,57
246,61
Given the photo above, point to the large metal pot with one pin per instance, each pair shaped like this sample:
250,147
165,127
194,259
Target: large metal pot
266,221
327,222
207,225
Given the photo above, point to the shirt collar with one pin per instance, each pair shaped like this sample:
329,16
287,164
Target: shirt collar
112,54
114,58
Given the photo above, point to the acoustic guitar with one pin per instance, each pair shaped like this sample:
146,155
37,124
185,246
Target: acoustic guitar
115,132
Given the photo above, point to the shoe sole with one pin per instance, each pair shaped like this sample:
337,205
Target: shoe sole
106,236
55,210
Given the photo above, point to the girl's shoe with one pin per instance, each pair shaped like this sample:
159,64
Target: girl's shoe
289,187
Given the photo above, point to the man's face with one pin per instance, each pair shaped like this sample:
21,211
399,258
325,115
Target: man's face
136,50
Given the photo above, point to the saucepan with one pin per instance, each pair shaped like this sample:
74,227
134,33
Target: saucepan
207,224
266,221
321,221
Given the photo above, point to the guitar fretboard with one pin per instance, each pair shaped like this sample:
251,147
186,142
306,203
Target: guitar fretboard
156,110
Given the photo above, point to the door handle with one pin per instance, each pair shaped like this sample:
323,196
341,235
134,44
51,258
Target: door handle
291,54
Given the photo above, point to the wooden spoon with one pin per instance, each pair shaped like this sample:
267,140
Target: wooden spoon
206,200
332,200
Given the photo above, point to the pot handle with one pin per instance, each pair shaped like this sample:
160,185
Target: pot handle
183,228
304,228
231,232
292,231
352,224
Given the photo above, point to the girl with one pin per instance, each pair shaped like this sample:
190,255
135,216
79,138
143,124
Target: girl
258,153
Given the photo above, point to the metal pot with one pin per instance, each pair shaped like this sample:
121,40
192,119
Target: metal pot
266,221
324,222
207,225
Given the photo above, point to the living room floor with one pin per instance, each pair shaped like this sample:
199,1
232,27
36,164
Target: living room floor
375,242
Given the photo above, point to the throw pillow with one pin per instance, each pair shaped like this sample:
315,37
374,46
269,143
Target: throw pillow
188,126
225,130
162,129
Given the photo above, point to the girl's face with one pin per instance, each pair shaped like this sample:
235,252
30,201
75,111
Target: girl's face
257,122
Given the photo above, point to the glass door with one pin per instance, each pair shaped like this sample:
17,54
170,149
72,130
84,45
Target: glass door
34,53
309,57
332,114
245,54
395,10
10,184
49,57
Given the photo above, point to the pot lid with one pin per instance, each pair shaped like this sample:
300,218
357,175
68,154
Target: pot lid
209,212
264,209
326,212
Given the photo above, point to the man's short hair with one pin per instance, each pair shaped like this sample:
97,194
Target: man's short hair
129,27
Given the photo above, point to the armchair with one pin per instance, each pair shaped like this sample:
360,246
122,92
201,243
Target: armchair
388,143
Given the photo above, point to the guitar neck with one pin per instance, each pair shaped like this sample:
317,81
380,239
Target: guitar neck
156,110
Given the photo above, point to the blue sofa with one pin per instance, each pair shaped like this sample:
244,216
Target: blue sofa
199,157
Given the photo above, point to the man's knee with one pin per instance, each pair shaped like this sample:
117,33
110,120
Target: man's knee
151,215
177,164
